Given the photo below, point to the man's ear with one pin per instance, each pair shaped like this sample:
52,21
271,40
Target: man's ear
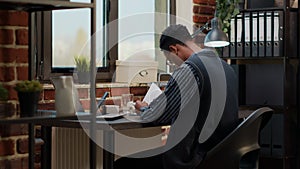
173,48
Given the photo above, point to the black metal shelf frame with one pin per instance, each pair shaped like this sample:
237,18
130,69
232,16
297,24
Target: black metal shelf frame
41,5
270,61
33,6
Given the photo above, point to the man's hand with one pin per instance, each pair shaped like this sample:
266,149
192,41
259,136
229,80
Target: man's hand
139,104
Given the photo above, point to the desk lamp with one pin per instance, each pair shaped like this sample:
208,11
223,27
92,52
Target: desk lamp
216,37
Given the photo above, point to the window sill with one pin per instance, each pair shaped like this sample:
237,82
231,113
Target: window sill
102,85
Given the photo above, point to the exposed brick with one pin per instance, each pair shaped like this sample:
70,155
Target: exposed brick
83,93
37,159
16,163
7,147
6,36
49,94
5,164
13,18
22,37
114,100
138,91
109,102
203,10
100,91
85,104
7,74
118,91
22,145
24,163
46,106
13,130
196,9
7,110
203,2
22,56
12,93
8,55
22,73
212,2
200,19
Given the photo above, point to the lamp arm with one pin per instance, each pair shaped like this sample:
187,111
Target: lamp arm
200,30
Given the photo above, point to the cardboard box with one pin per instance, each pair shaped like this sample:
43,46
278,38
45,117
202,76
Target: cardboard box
136,71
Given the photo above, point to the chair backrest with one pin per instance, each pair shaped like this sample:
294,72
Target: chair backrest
228,153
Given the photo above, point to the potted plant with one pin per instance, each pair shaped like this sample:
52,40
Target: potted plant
28,94
83,67
3,93
3,100
227,9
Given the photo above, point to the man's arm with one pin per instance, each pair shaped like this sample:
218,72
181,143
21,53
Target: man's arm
179,90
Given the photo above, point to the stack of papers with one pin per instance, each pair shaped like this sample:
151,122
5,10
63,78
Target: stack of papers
153,92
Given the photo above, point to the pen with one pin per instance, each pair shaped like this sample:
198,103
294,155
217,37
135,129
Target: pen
101,101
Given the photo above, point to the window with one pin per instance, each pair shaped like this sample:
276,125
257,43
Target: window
65,34
69,36
136,41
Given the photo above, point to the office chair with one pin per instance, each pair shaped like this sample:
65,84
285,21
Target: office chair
242,144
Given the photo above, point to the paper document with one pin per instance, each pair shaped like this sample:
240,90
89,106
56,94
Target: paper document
153,92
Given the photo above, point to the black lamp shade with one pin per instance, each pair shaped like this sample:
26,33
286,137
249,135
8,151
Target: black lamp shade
216,37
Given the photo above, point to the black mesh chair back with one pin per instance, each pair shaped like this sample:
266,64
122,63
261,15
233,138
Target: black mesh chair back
244,139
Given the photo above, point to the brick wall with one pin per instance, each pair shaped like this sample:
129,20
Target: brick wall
13,53
203,11
13,67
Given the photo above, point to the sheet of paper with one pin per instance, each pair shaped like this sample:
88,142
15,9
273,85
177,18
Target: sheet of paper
153,92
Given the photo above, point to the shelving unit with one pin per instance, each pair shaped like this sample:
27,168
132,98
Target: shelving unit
268,71
33,6
41,5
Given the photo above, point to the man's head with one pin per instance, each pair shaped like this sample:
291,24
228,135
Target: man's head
173,42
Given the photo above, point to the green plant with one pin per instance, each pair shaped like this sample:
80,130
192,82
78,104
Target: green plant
227,9
82,63
3,93
28,86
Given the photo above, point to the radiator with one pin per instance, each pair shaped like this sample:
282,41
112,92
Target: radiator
70,147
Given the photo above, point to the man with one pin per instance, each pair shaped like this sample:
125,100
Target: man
200,102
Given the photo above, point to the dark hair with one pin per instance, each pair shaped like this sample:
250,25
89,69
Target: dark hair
174,34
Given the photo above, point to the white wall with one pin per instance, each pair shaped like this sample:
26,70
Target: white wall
184,11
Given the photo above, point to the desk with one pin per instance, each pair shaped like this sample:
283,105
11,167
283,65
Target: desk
48,119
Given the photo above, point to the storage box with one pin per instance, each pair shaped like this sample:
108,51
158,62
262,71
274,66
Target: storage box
136,71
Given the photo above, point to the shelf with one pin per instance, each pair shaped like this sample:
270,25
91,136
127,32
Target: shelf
262,9
249,61
40,116
245,61
41,5
260,58
268,9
